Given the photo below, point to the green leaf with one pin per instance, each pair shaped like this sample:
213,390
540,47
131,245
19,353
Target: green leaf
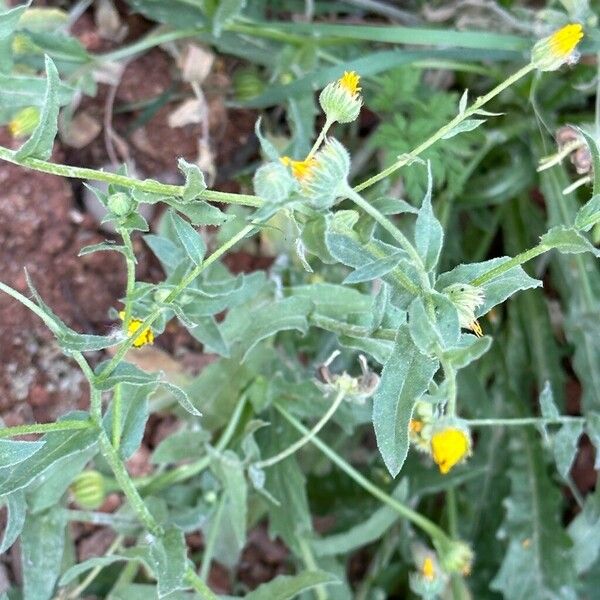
190,239
168,253
404,379
232,524
169,558
589,214
123,373
498,289
466,125
182,398
564,446
548,408
332,300
428,332
58,444
178,447
9,20
199,212
568,241
15,519
226,12
91,563
285,587
429,234
13,452
194,180
584,530
207,332
375,269
592,428
20,92
42,544
106,246
538,563
365,532
40,144
468,349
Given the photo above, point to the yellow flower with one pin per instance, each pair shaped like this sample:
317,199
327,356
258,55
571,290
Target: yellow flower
557,49
301,169
449,447
565,40
24,122
475,327
147,336
428,569
349,81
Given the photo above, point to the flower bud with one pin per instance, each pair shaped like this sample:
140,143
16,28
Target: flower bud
551,52
466,298
457,558
273,181
247,84
88,489
24,122
340,100
120,204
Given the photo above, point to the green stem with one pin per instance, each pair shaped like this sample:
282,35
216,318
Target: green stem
149,320
130,266
146,185
116,417
137,503
199,586
211,540
8,432
269,462
438,135
429,527
523,421
519,259
311,564
320,138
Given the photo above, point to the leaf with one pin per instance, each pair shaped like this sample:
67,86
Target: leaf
462,105
182,398
592,428
428,332
91,563
266,146
42,544
190,239
207,332
168,253
589,214
404,379
199,212
464,126
180,446
332,300
13,452
469,349
375,269
498,289
194,180
537,564
564,446
20,92
365,532
226,12
169,561
285,587
106,246
10,18
429,234
15,519
124,372
41,142
568,241
58,444
584,530
548,408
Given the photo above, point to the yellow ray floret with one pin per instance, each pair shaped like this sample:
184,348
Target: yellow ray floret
428,569
146,337
300,168
449,447
565,40
349,81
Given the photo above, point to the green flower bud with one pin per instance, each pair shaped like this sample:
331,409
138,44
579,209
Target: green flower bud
457,558
247,84
120,204
340,100
88,489
274,182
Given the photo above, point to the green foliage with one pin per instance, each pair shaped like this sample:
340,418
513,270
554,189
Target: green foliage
360,324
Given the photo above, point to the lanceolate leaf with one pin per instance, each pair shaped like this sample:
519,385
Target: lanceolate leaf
169,557
15,519
538,562
39,145
404,379
285,587
429,234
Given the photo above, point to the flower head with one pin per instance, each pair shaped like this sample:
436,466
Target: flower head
428,569
467,299
340,100
450,446
552,52
146,337
88,489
